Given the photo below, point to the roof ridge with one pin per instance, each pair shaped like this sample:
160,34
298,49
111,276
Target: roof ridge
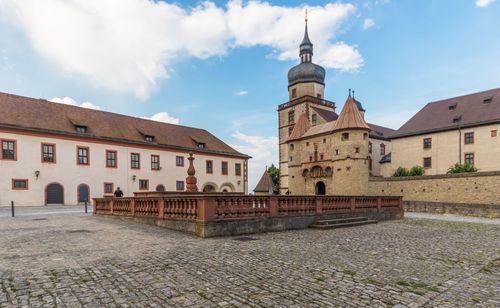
461,96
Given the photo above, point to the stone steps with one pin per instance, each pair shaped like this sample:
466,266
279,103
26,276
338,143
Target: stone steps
341,222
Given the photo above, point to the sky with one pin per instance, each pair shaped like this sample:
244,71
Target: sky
222,65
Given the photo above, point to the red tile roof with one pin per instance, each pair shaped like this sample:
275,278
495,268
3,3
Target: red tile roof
265,183
468,110
20,112
350,117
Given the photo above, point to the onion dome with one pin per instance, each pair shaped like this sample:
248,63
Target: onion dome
306,71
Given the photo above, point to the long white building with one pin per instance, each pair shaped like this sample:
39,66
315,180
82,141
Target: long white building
59,154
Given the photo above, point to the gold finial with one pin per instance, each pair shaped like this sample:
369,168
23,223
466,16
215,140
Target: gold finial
306,15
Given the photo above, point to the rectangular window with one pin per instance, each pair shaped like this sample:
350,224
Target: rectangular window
210,166
494,133
179,161
427,162
81,129
48,153
237,169
291,116
294,93
149,138
469,138
155,162
357,150
82,155
179,185
110,159
370,147
345,136
224,168
382,149
108,188
135,160
427,143
469,158
290,130
19,184
143,184
9,149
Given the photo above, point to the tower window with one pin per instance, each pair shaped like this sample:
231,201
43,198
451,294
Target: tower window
345,136
357,150
322,156
314,117
382,149
291,116
290,130
318,96
336,152
307,144
370,147
294,93
291,146
324,140
494,133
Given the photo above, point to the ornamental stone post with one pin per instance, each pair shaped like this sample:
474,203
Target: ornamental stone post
191,179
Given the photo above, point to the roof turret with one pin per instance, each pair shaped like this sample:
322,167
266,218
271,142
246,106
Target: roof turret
350,117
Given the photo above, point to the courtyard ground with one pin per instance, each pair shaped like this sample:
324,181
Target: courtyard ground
73,260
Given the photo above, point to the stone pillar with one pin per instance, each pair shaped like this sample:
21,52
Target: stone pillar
191,179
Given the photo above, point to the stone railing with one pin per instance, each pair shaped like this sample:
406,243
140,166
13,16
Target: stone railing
233,207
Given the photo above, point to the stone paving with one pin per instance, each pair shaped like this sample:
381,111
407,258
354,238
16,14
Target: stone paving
74,261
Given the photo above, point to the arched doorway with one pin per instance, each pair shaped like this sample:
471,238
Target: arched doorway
208,188
54,194
83,193
320,188
160,188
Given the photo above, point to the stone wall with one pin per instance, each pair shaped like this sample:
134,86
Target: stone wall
463,188
461,209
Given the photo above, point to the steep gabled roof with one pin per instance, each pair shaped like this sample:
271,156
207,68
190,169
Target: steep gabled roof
25,113
265,183
463,111
301,127
350,117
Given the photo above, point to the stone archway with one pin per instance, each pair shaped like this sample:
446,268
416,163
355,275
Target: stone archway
209,188
320,188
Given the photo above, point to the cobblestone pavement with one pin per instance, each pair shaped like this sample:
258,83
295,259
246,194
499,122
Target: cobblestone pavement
73,261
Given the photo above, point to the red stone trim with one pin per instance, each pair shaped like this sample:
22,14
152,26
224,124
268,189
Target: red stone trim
47,186
136,168
88,155
15,149
20,180
116,158
41,153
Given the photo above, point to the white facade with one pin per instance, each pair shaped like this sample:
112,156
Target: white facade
70,175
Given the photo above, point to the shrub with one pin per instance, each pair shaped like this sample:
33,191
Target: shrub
401,171
461,168
416,171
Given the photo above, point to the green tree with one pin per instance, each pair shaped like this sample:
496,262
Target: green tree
275,175
461,168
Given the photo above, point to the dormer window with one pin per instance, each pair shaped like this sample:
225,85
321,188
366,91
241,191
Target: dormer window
452,107
81,128
149,138
487,101
201,145
457,119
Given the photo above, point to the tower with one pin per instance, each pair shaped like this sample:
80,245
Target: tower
306,85
350,147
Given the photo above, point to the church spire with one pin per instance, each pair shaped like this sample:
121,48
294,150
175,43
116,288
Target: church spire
306,47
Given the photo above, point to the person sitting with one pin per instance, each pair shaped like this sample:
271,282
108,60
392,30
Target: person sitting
118,192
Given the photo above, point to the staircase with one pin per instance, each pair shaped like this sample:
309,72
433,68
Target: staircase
341,222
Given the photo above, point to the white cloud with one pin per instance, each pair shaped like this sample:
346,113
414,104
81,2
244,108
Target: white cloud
69,101
241,93
368,23
127,46
484,3
163,117
264,152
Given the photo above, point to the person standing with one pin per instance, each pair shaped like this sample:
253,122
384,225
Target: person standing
118,192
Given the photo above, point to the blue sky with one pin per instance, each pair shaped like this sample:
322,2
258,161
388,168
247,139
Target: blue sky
222,65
